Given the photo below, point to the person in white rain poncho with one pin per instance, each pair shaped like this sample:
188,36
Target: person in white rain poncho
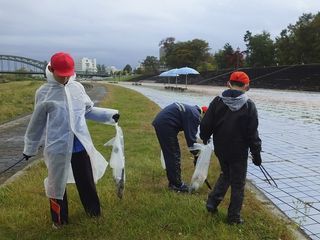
61,109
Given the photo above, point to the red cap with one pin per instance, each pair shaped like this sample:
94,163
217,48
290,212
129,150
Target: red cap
239,77
204,109
62,64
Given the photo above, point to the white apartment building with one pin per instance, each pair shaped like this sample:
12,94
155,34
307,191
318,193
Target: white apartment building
86,65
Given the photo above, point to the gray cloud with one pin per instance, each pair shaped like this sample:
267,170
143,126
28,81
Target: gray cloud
124,31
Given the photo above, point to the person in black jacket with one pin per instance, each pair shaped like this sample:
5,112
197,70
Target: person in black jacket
168,123
232,120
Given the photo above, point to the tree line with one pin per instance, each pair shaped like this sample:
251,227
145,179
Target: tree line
299,43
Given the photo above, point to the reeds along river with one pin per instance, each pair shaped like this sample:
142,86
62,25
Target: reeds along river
289,126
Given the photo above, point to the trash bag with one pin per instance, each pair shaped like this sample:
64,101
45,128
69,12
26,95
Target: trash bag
163,163
201,170
117,160
196,146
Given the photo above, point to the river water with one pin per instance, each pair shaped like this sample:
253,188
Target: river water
289,126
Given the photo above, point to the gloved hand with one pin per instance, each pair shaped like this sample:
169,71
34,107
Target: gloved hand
116,117
26,156
256,158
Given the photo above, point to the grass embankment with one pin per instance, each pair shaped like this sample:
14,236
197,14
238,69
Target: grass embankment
148,210
124,77
17,98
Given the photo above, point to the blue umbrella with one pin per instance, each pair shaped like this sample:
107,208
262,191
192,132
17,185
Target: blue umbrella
170,73
186,71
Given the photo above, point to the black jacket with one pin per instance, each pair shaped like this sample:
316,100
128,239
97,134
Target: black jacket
234,129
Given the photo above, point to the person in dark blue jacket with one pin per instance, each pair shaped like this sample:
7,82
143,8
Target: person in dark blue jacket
168,123
232,120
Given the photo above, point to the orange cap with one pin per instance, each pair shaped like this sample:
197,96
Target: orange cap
239,77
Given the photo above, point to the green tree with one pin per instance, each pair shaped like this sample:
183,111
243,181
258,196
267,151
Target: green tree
223,56
210,65
138,70
151,65
127,68
191,53
260,49
300,43
166,46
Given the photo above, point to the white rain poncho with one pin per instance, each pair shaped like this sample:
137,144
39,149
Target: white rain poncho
60,112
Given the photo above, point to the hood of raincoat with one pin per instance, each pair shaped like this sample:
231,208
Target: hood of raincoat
234,99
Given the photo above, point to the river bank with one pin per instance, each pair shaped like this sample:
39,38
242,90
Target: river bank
289,128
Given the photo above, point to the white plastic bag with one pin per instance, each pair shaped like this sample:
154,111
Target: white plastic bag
163,163
196,146
201,170
117,159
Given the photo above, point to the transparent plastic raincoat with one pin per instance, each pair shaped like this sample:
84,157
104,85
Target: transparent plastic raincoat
60,112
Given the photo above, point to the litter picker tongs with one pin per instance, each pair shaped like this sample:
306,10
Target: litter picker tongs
268,176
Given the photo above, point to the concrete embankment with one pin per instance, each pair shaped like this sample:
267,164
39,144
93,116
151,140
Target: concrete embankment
292,77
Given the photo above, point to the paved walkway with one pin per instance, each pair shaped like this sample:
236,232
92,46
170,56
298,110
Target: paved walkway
12,134
289,125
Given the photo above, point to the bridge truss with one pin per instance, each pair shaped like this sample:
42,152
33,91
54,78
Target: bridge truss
10,64
17,64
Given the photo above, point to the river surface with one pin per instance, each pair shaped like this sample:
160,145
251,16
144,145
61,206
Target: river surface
289,126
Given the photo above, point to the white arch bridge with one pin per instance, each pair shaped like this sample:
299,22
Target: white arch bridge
10,64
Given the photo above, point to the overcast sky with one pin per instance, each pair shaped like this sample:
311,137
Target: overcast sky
120,32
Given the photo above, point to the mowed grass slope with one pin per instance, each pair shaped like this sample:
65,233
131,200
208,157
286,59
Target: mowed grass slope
148,210
17,98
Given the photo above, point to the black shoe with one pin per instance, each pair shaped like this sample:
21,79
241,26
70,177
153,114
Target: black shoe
233,221
211,208
182,188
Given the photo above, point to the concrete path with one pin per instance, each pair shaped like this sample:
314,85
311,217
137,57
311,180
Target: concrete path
12,134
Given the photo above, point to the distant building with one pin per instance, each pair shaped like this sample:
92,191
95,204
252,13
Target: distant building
86,65
162,52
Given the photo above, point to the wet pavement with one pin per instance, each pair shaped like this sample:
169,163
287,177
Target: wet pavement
289,126
12,134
